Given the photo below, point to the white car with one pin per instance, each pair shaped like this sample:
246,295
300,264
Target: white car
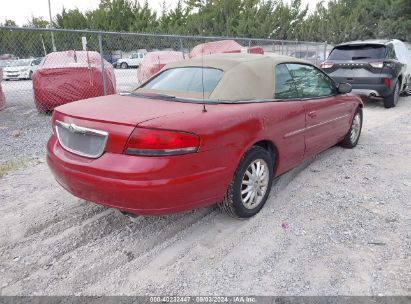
132,61
5,63
21,69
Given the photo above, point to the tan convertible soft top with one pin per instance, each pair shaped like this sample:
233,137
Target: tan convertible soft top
246,76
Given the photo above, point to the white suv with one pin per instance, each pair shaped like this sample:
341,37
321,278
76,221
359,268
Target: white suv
21,69
132,61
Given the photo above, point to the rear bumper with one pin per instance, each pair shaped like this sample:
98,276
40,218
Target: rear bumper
371,90
142,185
372,85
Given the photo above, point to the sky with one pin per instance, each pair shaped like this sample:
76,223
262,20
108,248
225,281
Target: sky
22,10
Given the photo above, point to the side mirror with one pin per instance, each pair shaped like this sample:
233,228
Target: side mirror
344,88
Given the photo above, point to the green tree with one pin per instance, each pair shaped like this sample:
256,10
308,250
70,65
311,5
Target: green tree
71,19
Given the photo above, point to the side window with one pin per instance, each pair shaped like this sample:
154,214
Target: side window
141,55
284,84
310,82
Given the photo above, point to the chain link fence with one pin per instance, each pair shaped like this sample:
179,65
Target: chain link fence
44,68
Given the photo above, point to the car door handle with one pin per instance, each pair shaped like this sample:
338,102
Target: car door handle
312,114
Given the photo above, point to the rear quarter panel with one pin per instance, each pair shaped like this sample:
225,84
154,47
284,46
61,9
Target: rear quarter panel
234,128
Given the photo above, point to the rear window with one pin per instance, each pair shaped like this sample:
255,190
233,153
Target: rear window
358,52
188,79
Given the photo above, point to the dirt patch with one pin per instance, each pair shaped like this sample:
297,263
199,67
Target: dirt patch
13,165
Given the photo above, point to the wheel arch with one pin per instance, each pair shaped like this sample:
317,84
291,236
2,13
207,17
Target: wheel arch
271,148
400,78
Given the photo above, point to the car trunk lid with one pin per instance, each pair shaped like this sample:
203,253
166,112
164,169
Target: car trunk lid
359,71
108,121
125,110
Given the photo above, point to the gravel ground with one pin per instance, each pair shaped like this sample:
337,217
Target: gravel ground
34,130
339,224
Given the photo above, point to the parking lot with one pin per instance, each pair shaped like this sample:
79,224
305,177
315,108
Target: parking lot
338,224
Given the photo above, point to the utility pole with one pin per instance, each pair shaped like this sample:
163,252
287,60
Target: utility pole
52,34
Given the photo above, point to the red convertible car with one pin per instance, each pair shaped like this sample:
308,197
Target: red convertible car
207,130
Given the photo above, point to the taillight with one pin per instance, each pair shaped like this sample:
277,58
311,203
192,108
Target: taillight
326,65
387,82
156,142
377,64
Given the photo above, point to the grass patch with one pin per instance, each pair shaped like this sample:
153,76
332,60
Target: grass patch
13,165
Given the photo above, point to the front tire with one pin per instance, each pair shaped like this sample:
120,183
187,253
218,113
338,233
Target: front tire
391,100
351,138
251,184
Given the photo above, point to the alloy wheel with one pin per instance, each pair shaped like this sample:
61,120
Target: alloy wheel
254,184
355,128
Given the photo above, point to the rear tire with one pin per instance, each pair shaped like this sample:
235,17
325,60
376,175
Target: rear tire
252,179
124,65
353,135
391,100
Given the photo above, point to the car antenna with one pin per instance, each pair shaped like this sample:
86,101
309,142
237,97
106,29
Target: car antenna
202,55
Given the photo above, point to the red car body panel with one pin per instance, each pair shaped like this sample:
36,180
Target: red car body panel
159,185
143,185
63,77
328,119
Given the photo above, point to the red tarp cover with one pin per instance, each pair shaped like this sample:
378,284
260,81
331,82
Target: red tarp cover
154,62
68,76
223,46
2,98
255,50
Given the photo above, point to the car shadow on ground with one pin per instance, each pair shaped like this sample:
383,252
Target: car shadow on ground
279,184
378,102
372,102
